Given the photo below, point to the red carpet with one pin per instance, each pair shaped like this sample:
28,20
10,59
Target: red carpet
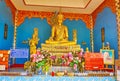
17,65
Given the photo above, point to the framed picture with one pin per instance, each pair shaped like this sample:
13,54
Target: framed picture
108,56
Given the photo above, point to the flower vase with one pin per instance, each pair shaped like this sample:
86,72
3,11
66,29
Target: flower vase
75,70
39,71
46,73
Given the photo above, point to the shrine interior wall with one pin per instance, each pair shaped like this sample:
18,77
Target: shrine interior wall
107,20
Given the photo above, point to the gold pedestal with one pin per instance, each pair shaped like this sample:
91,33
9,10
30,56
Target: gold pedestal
60,49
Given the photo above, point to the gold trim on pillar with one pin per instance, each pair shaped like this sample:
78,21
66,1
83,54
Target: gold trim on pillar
91,34
15,30
118,24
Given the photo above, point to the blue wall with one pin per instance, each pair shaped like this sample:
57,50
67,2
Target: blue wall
25,31
106,19
83,33
5,17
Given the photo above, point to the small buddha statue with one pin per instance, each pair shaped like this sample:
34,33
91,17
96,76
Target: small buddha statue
87,50
34,41
75,35
59,32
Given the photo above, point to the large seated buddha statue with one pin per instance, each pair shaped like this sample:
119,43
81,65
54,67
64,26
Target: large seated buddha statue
58,42
59,33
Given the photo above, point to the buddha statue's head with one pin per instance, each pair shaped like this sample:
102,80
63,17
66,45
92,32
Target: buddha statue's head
60,18
35,29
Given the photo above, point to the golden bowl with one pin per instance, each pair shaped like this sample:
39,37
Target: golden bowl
70,74
60,73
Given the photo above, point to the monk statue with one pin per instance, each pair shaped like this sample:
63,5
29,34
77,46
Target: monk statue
34,41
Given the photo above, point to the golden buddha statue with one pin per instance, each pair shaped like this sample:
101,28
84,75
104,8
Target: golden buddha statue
58,43
59,33
34,41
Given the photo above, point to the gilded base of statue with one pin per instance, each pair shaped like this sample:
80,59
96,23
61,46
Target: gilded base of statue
61,42
59,49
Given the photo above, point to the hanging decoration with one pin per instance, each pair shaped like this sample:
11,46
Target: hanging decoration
23,14
5,31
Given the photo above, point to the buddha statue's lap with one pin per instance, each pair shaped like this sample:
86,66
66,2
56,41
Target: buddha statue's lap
64,42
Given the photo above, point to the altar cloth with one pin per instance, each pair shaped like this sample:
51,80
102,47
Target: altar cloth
55,78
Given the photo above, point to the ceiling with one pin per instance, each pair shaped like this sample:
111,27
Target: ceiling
69,6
